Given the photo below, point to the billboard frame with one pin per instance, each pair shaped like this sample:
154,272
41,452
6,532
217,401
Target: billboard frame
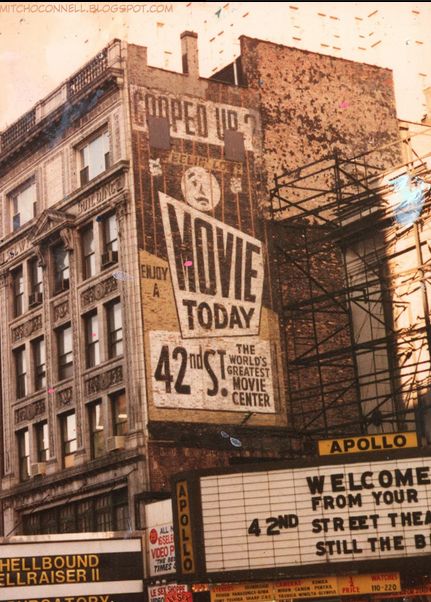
411,564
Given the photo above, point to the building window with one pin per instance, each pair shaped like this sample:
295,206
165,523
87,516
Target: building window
65,352
119,413
110,240
95,158
88,252
67,519
107,512
20,372
39,363
234,147
104,519
85,516
42,441
24,454
92,346
36,286
115,329
110,233
31,524
159,131
97,432
48,522
18,292
121,510
23,205
68,438
60,257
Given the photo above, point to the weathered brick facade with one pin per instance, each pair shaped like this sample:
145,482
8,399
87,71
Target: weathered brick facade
313,107
198,112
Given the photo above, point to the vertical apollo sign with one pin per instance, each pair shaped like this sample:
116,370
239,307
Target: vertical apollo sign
213,344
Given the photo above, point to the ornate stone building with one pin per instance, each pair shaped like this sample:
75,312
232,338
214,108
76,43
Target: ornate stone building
71,370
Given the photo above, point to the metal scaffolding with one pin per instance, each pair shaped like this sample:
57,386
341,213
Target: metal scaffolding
354,288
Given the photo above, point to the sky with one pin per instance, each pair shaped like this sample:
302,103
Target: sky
39,48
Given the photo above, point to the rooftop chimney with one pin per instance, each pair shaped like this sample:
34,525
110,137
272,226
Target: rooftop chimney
189,50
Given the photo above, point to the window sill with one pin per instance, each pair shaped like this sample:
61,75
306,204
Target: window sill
35,396
25,315
107,267
69,461
63,382
60,292
100,177
105,364
89,279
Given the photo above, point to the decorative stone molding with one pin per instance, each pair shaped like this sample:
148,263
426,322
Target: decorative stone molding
103,381
41,252
66,235
64,397
121,211
99,291
53,223
27,328
62,310
102,193
30,411
4,278
116,134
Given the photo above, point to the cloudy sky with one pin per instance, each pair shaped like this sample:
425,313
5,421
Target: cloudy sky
41,46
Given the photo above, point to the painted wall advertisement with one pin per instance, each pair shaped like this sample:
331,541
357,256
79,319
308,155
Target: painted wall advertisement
194,119
301,516
213,337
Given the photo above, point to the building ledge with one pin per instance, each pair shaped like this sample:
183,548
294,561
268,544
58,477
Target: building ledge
117,170
113,460
205,435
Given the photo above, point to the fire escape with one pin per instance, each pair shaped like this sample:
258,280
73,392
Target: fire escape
354,285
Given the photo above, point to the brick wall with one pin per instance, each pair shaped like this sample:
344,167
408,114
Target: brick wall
308,106
198,111
311,106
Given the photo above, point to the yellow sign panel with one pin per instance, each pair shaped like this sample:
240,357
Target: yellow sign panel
369,584
411,592
320,587
185,528
296,589
367,443
242,592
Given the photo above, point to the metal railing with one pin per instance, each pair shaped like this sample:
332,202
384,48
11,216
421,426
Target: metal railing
18,130
88,74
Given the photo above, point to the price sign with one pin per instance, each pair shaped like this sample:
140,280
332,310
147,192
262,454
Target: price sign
369,584
299,589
